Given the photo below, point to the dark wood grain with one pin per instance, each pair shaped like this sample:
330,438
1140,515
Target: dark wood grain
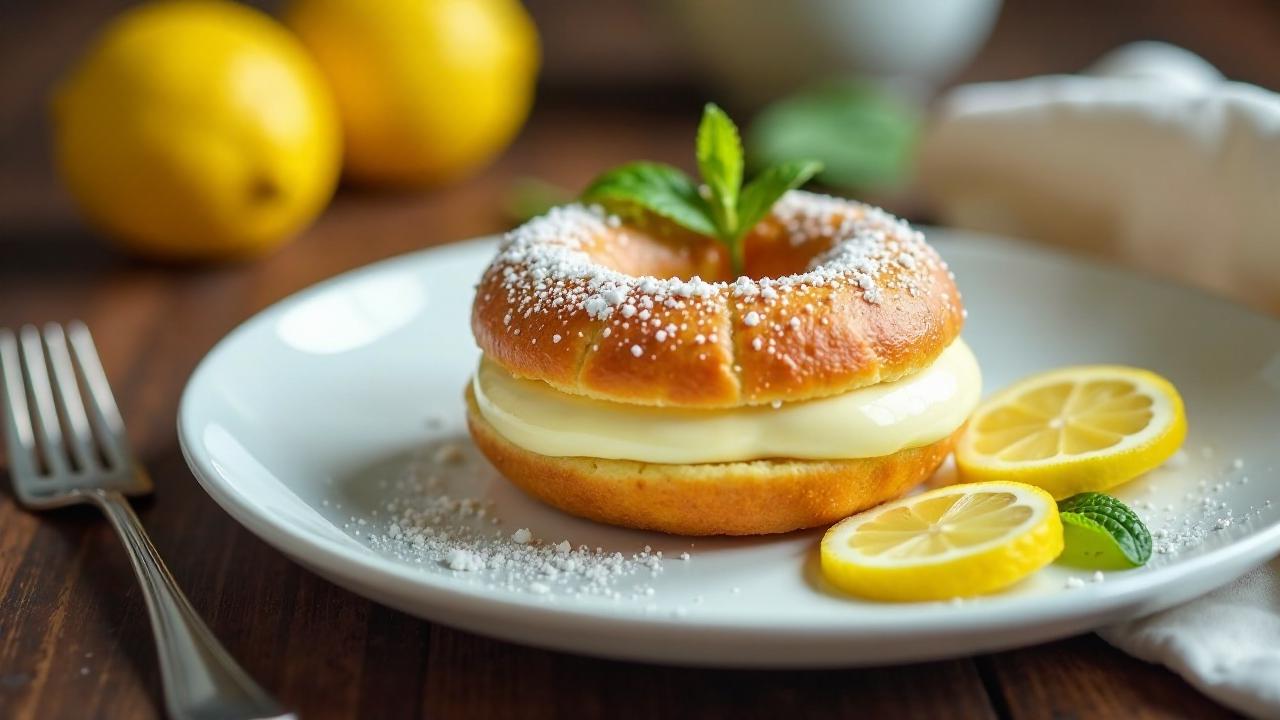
74,640
492,679
1085,678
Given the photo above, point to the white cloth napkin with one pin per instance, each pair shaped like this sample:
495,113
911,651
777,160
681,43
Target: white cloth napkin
1151,157
1226,643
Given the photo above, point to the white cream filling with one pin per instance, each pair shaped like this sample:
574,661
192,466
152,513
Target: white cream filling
868,422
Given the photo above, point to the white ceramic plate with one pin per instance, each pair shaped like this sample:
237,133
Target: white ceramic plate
303,422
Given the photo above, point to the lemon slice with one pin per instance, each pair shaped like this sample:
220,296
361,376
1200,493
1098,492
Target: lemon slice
955,541
1075,429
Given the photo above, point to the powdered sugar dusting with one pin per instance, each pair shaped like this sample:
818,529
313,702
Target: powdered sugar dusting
547,269
1183,513
425,523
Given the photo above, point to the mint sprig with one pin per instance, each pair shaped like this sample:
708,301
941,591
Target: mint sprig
721,208
1102,533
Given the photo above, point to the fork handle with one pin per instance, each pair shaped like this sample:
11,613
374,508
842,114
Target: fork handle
201,679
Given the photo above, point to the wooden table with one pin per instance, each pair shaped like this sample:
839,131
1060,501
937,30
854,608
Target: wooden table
74,639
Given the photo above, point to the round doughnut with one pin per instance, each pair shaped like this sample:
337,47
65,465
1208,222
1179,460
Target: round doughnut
836,295
738,498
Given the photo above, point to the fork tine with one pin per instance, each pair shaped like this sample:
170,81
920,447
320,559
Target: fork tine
66,390
44,415
103,413
19,438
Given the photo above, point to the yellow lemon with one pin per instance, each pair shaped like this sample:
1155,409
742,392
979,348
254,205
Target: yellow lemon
955,541
197,129
429,90
1075,429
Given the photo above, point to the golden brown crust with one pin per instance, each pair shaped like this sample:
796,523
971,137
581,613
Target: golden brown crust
743,498
573,299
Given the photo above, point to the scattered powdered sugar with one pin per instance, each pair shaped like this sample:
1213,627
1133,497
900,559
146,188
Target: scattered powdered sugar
448,454
1203,511
462,559
1075,583
425,525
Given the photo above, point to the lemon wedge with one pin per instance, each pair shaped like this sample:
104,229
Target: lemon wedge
956,541
1075,429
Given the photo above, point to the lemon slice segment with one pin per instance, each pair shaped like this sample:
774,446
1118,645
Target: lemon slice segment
1074,430
956,541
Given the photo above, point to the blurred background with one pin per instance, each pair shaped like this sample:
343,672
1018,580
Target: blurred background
169,169
607,81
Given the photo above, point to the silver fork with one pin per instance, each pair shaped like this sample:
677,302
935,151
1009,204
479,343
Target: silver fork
68,447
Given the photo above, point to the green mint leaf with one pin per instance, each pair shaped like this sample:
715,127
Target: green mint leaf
1102,533
761,193
720,163
661,189
864,136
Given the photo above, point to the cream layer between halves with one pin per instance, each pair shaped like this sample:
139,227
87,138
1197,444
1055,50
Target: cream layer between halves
868,422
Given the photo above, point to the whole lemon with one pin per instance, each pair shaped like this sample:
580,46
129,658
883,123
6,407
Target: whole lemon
197,129
428,90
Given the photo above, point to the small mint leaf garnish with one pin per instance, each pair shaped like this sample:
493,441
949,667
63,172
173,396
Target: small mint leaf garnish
660,189
762,192
719,151
1102,533
723,209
